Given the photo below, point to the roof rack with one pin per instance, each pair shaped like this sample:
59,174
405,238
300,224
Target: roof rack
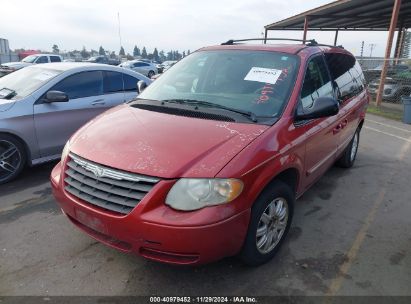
310,42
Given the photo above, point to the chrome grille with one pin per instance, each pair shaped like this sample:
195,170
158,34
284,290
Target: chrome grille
107,188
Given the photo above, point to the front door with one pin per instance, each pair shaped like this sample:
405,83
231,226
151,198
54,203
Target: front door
322,139
56,122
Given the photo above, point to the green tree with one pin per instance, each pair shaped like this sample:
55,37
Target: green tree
155,55
136,51
162,56
84,53
113,55
101,51
55,49
122,52
188,52
144,52
184,54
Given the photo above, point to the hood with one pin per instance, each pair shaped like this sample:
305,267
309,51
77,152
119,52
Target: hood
16,65
6,104
162,145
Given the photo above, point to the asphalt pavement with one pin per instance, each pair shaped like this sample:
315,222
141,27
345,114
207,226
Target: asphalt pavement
351,235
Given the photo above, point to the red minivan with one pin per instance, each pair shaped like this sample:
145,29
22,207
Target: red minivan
208,161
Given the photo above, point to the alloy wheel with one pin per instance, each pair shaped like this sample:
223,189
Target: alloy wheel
272,225
10,159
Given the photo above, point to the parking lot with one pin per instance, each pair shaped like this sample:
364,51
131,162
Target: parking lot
350,236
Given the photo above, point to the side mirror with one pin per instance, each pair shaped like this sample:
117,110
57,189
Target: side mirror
56,96
141,85
322,107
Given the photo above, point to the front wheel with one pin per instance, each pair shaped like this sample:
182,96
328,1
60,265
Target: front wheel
348,158
12,158
269,224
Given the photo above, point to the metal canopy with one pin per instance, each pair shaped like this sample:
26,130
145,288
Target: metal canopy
350,15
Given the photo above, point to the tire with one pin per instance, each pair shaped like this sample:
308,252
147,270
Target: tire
151,74
255,251
350,153
12,158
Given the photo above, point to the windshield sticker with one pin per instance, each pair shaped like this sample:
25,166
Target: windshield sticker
44,76
263,75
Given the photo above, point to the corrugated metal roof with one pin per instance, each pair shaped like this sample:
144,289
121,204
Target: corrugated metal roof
367,15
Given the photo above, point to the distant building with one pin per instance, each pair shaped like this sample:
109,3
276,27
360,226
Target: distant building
4,46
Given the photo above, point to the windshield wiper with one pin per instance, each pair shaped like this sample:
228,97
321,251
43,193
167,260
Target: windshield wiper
250,115
7,93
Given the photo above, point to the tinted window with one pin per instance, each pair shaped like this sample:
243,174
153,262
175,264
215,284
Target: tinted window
81,85
347,75
113,82
55,59
130,83
42,59
140,64
317,82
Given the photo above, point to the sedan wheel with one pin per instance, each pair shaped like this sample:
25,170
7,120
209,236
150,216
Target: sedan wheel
151,74
12,158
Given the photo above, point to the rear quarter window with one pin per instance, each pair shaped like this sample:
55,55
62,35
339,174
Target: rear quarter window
346,73
55,59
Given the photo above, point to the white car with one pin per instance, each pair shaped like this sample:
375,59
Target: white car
9,67
148,69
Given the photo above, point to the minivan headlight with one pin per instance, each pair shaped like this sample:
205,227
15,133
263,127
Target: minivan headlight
195,193
66,151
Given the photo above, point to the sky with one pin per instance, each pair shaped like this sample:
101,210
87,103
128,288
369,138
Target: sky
177,24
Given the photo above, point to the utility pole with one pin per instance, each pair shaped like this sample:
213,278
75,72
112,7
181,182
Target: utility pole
372,47
362,48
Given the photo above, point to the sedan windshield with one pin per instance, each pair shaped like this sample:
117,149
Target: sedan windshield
258,82
25,81
30,59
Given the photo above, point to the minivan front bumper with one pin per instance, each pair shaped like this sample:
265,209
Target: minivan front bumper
143,231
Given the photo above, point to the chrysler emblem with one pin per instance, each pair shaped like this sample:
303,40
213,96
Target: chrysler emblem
98,172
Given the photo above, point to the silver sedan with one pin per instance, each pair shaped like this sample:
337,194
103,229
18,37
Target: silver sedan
41,106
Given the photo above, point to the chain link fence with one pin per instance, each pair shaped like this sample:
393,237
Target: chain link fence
397,82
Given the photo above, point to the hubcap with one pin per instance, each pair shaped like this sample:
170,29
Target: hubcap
354,146
10,159
271,226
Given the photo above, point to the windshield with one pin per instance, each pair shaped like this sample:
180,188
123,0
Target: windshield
30,59
25,81
254,81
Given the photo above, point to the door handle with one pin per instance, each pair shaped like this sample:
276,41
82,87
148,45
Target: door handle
98,102
337,129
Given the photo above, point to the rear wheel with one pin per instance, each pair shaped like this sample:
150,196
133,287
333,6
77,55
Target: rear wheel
151,74
269,224
12,158
348,158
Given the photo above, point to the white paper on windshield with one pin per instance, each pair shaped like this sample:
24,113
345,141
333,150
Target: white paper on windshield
263,75
44,76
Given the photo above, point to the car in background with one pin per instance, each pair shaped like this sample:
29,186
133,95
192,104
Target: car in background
208,161
41,106
168,64
103,59
7,68
394,88
146,68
